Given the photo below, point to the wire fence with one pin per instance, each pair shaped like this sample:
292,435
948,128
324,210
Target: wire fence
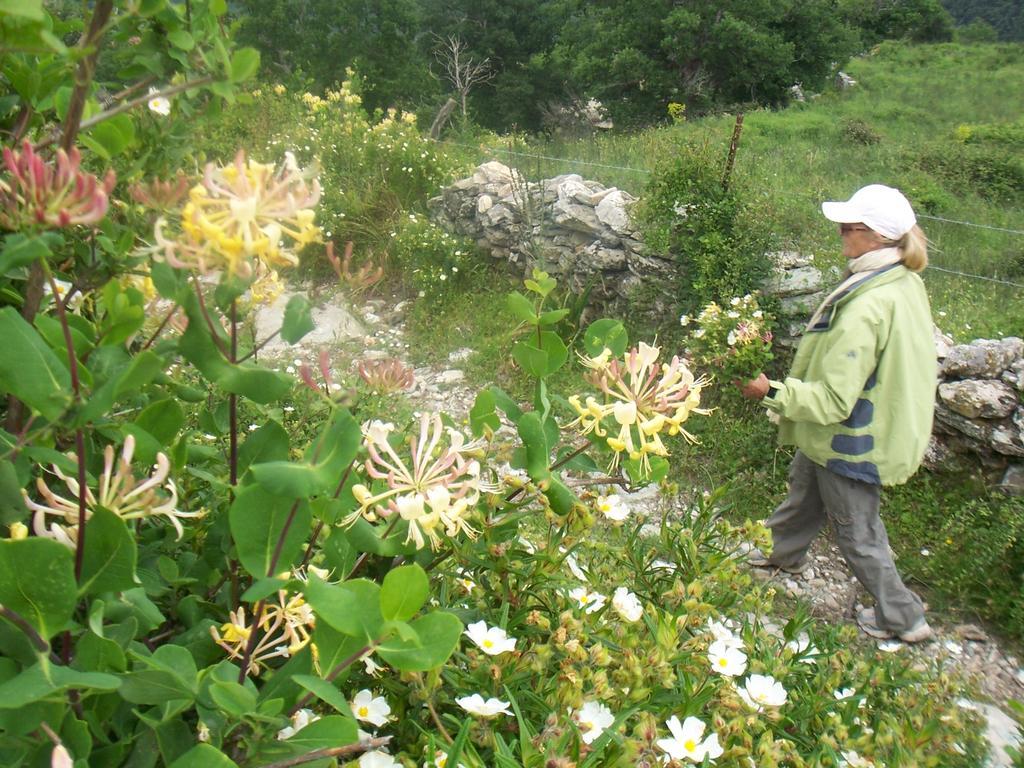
647,172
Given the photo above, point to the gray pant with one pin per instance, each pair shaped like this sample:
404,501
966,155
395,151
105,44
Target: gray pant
816,494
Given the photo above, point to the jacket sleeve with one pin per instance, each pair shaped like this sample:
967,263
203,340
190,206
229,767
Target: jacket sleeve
855,343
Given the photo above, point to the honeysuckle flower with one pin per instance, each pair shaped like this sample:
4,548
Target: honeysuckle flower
300,720
491,640
476,705
613,507
436,491
203,732
843,693
60,758
627,605
241,213
118,491
37,194
285,628
372,668
593,718
370,709
377,759
587,600
686,743
159,104
641,400
760,691
727,659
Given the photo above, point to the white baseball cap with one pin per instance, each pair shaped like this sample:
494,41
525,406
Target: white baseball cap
882,208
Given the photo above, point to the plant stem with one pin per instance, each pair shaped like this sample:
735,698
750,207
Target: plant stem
261,345
358,565
21,623
206,316
346,751
160,328
233,402
83,74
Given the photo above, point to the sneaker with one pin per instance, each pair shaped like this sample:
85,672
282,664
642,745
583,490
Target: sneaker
759,559
869,626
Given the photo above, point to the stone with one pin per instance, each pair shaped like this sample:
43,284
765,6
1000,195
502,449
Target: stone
1007,440
979,398
802,305
333,323
459,355
943,343
982,358
449,377
790,259
796,92
1014,375
574,216
484,203
971,632
793,282
612,211
844,81
1001,732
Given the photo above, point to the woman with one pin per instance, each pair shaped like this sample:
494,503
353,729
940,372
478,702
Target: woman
858,405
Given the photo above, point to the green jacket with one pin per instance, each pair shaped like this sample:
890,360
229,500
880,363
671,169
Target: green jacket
860,396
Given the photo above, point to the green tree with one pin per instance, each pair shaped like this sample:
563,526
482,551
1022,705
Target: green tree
636,56
1006,17
922,21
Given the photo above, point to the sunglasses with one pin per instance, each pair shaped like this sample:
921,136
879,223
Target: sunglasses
845,229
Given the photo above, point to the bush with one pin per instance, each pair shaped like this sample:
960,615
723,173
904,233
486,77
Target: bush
709,229
427,257
991,171
858,131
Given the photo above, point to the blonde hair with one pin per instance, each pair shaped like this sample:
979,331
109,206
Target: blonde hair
914,248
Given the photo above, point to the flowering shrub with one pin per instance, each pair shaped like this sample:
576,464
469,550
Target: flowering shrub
734,339
433,261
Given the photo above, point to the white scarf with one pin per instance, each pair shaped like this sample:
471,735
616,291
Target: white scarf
857,271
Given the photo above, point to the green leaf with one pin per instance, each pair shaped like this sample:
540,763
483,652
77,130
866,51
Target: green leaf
521,307
555,350
439,634
531,432
26,9
506,404
329,731
268,443
179,38
326,692
483,415
605,333
169,282
336,447
245,62
552,317
298,319
114,136
108,563
45,679
232,698
218,7
12,507
259,520
530,358
404,592
262,588
37,581
204,756
21,250
162,419
30,370
352,607
364,536
169,674
336,649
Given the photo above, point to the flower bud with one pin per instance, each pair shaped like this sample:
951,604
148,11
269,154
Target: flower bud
18,531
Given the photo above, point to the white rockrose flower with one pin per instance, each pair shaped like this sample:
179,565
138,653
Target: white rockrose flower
727,659
842,694
370,709
587,600
159,104
686,743
851,759
760,691
378,759
476,705
300,720
491,640
627,605
593,718
613,507
722,631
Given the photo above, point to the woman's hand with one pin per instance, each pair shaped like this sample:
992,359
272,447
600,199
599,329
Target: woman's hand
755,389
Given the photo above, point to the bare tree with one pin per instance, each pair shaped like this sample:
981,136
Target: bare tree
460,69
